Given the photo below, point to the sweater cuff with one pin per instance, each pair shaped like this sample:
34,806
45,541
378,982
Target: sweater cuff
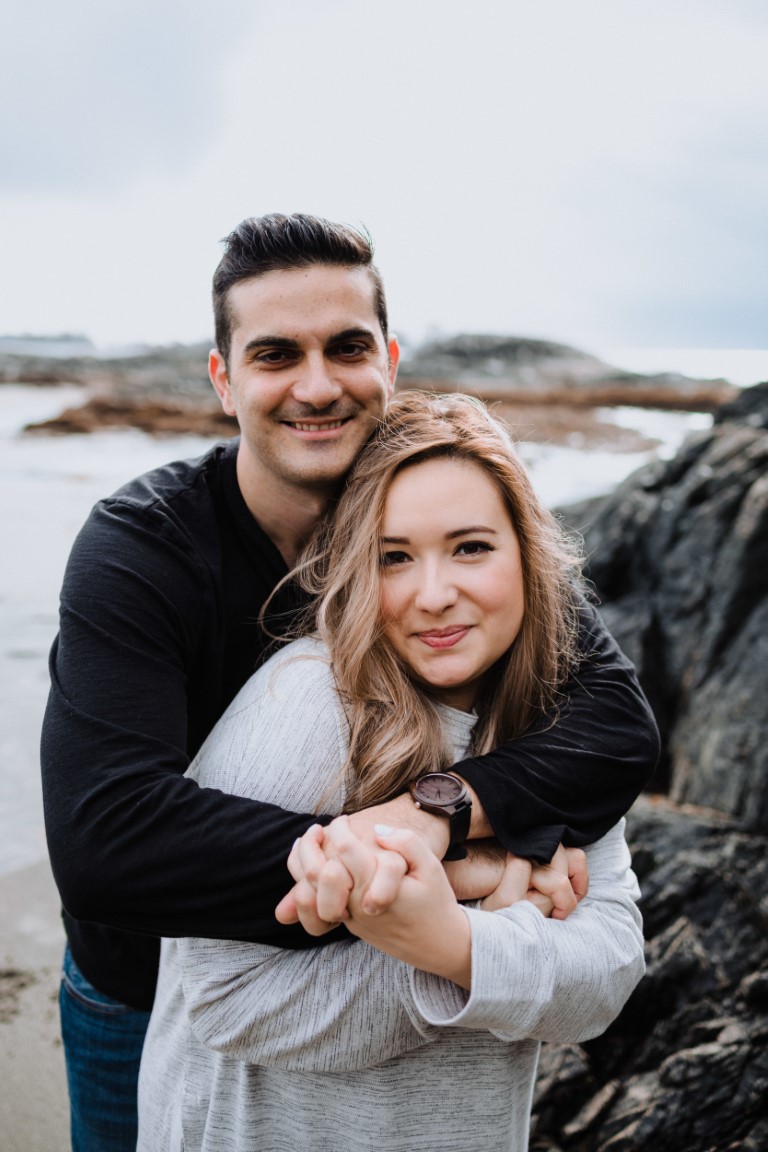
487,1006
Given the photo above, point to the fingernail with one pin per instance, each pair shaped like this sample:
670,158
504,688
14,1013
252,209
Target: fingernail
383,829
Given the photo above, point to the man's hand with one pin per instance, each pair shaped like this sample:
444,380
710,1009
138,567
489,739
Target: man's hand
555,888
480,873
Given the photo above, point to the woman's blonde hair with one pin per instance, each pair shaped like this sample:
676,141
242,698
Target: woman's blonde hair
395,729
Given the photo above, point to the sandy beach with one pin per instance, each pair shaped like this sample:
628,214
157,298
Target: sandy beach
33,1102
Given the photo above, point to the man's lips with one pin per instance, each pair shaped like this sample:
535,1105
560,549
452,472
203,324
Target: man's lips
443,637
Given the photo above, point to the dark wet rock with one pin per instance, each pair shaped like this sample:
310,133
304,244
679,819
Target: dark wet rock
678,558
685,1067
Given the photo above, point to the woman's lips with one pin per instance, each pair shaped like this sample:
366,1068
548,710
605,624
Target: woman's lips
443,637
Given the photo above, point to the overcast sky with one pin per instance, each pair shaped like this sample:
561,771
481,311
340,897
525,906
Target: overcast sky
593,171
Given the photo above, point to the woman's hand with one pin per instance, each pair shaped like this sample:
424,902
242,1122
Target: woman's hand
423,925
323,885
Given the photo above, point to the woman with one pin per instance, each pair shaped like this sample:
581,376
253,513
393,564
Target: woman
444,619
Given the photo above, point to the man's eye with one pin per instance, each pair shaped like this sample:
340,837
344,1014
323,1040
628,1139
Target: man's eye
350,350
391,559
273,357
473,548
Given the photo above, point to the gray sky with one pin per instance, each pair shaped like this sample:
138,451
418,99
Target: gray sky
594,171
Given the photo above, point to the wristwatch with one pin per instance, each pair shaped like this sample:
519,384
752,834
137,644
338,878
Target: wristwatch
445,795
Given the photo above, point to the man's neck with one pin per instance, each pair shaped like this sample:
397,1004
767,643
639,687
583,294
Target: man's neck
288,515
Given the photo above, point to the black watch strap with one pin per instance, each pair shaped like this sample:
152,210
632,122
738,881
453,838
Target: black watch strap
444,794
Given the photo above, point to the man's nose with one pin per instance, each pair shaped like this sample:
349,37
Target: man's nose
316,384
436,590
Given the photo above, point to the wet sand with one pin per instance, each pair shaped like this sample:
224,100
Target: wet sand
33,1101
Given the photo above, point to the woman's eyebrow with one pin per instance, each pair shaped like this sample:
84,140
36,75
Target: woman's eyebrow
448,536
468,531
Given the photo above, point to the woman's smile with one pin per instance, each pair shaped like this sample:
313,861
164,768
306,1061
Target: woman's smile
444,637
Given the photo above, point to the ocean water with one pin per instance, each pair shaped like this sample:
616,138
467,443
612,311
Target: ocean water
742,366
47,487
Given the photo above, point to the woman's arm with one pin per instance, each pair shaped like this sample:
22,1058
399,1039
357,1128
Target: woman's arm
512,972
328,1009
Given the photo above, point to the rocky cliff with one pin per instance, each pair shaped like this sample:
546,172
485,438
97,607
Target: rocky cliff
679,561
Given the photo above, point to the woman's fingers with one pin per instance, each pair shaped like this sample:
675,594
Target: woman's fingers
377,874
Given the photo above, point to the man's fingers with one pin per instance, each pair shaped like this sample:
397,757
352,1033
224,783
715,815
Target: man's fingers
307,858
578,871
557,886
286,911
513,886
305,898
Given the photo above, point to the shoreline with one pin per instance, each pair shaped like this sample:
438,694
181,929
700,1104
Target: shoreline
34,1110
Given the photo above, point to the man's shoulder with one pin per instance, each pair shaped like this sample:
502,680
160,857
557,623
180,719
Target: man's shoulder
175,481
157,522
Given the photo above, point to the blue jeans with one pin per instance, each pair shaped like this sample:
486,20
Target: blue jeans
102,1044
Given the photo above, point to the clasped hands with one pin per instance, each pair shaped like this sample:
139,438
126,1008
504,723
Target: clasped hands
388,885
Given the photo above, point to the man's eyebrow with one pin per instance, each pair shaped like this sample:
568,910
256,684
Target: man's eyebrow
352,334
457,532
271,342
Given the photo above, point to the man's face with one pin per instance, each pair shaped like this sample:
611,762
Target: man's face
309,374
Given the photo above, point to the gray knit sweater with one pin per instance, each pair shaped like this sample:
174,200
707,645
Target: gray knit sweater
343,1048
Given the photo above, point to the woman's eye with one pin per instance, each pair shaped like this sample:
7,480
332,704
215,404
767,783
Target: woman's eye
390,559
473,548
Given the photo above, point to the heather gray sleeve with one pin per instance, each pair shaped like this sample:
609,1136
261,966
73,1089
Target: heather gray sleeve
327,1009
543,979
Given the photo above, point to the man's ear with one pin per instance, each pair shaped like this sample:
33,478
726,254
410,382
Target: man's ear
394,360
217,370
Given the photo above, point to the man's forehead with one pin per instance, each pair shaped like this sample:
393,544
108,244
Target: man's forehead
315,293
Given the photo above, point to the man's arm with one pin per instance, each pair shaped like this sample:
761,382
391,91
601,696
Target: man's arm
573,775
133,843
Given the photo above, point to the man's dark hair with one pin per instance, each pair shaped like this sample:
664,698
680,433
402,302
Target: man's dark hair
278,243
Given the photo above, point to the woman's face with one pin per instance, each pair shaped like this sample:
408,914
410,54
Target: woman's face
452,581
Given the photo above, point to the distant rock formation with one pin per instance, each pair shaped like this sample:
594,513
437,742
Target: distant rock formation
679,560
167,389
540,371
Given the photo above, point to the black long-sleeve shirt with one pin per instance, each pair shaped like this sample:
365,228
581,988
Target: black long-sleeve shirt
158,632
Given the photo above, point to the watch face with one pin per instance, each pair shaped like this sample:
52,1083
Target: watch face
439,788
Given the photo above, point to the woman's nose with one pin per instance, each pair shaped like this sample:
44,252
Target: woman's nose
437,590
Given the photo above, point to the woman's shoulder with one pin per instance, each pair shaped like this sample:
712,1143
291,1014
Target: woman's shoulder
302,667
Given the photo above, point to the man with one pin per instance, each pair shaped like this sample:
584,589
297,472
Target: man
159,630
